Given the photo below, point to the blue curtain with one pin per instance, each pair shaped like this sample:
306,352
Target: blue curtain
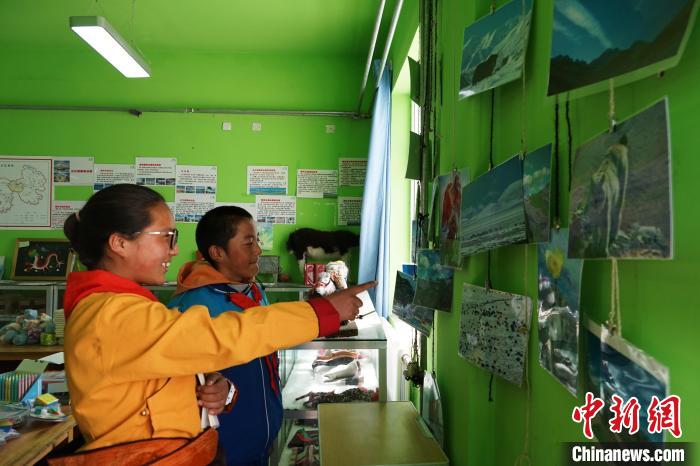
374,233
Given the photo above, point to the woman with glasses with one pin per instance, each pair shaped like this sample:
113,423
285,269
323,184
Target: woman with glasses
131,361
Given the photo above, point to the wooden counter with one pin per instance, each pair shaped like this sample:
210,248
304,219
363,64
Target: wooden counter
38,439
363,434
17,353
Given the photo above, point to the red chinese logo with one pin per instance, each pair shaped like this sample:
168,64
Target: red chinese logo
587,412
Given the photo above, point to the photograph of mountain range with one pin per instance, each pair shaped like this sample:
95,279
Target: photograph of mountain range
418,317
434,281
493,212
595,40
620,202
493,50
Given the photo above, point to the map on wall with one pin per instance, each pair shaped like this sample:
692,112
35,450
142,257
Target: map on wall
25,192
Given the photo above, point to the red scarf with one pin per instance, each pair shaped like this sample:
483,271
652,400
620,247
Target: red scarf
82,284
244,302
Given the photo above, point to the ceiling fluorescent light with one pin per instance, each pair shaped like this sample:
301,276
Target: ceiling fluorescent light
100,35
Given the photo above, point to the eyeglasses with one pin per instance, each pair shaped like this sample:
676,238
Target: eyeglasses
172,233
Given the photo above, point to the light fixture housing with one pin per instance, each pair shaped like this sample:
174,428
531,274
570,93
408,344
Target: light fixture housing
101,36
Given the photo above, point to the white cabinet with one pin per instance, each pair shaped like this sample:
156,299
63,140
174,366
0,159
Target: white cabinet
346,368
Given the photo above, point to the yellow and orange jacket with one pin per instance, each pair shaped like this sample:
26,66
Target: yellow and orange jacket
131,361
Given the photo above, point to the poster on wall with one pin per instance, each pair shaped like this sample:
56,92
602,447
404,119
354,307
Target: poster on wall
494,330
352,171
155,171
418,317
107,174
434,281
195,179
26,188
61,210
450,202
559,293
493,212
494,47
349,210
267,179
317,183
189,208
249,207
537,174
277,209
620,202
73,171
595,40
616,367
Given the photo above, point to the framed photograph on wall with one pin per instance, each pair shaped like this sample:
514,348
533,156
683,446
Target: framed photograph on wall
42,259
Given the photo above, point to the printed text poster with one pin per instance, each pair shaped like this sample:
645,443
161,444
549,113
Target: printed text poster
317,183
277,209
267,179
107,174
349,209
73,171
196,179
352,172
155,171
61,210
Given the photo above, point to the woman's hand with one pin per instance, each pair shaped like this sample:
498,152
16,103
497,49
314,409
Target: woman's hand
346,301
212,395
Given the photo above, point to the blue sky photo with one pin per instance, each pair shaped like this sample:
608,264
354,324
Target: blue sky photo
584,30
491,186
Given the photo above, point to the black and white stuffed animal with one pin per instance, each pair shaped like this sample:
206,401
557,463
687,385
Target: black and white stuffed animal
323,245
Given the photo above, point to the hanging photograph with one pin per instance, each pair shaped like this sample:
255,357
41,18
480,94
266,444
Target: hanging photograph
418,317
616,367
620,202
493,49
595,40
493,212
432,408
434,282
536,188
559,293
450,199
494,331
265,238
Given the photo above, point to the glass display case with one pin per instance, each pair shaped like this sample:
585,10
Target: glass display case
349,367
15,297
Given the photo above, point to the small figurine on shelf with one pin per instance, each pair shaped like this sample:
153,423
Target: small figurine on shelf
335,277
27,328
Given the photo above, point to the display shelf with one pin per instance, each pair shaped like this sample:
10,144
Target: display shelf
305,379
16,296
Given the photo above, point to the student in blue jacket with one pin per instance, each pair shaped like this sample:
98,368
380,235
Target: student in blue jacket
225,280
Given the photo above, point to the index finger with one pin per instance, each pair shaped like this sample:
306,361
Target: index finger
360,288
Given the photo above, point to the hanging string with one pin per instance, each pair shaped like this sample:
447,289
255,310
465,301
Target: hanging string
611,103
523,109
555,178
524,457
455,96
493,7
570,139
491,388
614,322
493,102
432,354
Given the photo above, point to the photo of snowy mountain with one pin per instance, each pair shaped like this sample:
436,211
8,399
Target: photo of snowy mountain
493,210
494,48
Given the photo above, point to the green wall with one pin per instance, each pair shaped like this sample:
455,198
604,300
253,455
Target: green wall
659,307
190,80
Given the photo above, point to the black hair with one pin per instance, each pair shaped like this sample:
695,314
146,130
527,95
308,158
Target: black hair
120,208
217,227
